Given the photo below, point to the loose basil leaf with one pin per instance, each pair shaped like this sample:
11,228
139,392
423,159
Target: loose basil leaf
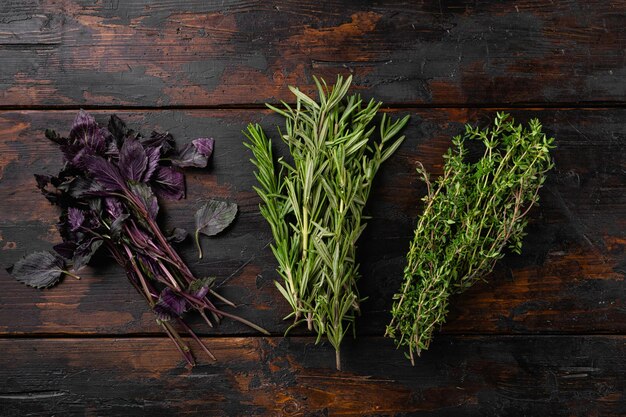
213,217
39,269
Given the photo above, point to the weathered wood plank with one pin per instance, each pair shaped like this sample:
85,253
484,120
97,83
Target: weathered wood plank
158,53
469,376
570,277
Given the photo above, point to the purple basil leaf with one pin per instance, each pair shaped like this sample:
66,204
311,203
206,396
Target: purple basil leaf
84,252
204,146
195,154
118,128
78,187
133,160
65,249
168,182
200,287
215,216
73,152
112,150
147,197
42,183
153,154
55,137
163,312
93,219
177,235
86,131
42,180
105,173
83,119
75,217
113,206
163,140
170,304
116,226
39,269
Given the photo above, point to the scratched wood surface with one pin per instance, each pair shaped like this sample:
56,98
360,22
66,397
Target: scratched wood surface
545,335
129,52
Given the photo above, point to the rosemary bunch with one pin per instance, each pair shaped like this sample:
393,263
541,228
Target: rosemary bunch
472,213
314,206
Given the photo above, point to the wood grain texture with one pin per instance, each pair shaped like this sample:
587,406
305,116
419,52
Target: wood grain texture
170,53
460,376
569,279
545,336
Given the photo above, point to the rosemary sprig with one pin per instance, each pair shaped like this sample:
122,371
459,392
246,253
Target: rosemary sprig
472,213
314,206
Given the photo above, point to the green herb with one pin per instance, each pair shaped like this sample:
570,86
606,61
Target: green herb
472,213
314,205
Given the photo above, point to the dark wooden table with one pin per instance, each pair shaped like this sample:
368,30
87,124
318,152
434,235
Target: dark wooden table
545,336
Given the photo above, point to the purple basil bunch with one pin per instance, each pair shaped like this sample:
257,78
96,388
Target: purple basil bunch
108,191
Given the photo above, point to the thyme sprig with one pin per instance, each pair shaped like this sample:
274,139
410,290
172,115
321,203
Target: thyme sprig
472,213
314,206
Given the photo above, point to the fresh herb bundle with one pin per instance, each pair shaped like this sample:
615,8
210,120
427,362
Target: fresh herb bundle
107,191
472,213
314,206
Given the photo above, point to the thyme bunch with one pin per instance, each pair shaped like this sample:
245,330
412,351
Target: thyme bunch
314,205
472,213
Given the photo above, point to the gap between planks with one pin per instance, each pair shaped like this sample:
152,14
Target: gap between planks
42,336
386,106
